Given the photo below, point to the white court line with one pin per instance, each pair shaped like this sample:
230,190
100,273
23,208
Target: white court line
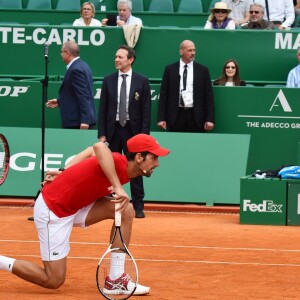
169,246
185,261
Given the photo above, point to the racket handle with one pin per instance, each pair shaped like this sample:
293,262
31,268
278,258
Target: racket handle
117,215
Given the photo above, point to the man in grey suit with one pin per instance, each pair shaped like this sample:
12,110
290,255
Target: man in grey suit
186,101
75,100
118,121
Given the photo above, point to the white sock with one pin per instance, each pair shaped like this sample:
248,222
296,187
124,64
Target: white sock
117,265
6,263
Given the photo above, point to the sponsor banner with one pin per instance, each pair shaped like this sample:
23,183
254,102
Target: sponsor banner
185,168
263,201
270,115
277,50
267,206
24,177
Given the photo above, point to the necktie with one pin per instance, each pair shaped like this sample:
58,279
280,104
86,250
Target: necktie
122,104
184,84
184,77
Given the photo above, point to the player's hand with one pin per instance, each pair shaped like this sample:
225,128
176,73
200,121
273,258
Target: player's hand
52,103
50,176
120,196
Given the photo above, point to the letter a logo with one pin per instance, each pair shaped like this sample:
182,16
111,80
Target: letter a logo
283,102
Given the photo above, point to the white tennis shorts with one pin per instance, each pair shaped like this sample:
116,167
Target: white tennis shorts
54,232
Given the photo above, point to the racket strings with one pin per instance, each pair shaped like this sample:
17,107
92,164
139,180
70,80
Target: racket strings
4,158
117,275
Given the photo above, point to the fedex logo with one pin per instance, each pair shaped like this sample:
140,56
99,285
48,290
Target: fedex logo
265,206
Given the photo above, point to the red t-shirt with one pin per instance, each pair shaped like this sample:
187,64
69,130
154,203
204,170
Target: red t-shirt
81,185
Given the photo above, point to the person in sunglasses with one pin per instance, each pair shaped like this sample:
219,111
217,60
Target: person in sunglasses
257,20
219,17
280,12
230,75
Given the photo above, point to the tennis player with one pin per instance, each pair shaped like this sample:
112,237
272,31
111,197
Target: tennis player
79,196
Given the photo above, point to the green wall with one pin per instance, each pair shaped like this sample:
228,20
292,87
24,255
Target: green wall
264,56
188,180
269,115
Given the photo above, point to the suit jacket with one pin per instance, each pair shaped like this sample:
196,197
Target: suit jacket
76,99
168,104
139,105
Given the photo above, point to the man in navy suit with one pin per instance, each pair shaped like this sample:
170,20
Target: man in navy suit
186,101
116,125
75,100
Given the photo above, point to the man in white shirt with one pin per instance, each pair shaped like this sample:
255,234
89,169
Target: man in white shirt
239,10
125,17
293,80
280,12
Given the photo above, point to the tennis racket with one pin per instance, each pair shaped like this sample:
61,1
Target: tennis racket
118,263
4,158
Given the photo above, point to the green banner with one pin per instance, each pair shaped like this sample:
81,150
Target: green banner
263,201
201,168
156,47
269,115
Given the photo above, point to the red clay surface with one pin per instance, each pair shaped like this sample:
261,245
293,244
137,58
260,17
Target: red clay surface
180,255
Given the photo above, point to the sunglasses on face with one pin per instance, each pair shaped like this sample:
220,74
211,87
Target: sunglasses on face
230,67
223,11
254,12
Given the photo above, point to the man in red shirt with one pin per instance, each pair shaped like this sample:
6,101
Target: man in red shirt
79,196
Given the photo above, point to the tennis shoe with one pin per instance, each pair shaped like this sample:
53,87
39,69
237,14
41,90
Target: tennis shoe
123,286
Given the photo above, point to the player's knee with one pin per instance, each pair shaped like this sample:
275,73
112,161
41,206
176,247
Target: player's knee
128,212
56,284
53,283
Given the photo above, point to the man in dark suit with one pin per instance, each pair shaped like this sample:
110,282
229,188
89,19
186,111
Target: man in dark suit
186,101
124,111
75,100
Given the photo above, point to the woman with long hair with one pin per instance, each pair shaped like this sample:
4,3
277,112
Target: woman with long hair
230,75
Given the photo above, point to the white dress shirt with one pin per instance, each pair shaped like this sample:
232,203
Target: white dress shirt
70,63
188,100
132,20
128,84
280,10
239,8
293,80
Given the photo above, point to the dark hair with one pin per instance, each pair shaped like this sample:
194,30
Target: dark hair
131,155
223,78
131,52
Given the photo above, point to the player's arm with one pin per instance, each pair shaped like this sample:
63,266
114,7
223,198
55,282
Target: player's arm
107,164
88,152
52,174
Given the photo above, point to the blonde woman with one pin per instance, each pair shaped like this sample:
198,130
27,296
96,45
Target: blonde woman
87,13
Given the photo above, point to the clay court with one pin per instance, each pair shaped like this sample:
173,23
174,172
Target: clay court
191,254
